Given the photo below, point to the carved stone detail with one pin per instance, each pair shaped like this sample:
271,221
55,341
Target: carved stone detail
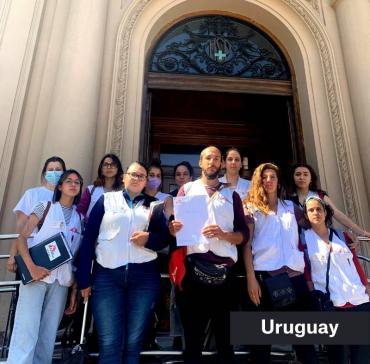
336,114
332,88
116,132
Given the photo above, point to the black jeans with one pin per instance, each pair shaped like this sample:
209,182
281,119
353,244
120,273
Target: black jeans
198,304
355,354
260,354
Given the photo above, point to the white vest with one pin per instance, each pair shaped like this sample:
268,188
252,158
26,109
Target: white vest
275,239
241,187
54,223
344,282
220,212
97,193
114,248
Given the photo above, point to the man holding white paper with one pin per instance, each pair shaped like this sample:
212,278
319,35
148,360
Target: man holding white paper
209,220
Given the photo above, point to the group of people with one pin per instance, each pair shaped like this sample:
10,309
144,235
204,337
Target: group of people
114,228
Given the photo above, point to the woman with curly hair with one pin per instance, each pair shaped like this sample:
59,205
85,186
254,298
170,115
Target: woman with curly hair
272,253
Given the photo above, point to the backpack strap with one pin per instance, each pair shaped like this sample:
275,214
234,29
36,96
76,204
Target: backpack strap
41,222
302,238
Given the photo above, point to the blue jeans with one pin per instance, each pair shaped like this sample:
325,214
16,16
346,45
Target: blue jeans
123,301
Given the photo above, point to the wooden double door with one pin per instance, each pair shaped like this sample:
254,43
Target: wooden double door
261,121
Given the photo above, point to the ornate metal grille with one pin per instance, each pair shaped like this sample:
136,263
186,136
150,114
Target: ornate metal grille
218,45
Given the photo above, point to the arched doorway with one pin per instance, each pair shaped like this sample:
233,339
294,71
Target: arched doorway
218,80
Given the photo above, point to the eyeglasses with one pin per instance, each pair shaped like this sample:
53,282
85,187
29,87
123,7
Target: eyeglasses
109,165
72,182
139,177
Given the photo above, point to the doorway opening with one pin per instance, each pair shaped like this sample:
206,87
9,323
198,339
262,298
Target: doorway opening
218,80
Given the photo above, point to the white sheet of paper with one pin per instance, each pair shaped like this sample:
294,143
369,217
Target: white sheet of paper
192,211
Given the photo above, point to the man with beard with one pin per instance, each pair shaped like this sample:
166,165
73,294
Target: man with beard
204,292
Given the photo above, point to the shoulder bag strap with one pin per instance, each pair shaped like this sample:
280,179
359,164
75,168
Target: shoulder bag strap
41,222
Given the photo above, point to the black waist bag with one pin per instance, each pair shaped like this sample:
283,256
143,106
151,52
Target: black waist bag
322,301
205,272
280,290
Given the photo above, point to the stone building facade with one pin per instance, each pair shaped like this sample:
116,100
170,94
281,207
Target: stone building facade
74,79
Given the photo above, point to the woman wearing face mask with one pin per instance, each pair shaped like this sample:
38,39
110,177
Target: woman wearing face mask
52,170
155,175
125,283
41,303
303,184
109,179
183,173
233,165
347,282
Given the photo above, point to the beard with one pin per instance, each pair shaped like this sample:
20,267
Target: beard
212,176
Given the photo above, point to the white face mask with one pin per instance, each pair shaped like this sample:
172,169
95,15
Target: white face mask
52,177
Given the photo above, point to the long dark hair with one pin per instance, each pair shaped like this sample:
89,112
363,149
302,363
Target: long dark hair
49,160
100,180
313,184
58,193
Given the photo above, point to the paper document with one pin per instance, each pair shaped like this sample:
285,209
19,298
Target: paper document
192,211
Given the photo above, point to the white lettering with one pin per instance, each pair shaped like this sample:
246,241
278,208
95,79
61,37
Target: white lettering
299,329
268,332
333,329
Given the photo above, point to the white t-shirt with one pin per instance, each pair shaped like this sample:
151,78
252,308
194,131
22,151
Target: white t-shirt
31,197
241,187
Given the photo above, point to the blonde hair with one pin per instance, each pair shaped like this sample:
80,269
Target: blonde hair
256,195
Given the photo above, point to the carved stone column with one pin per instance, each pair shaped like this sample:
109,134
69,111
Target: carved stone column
353,18
74,109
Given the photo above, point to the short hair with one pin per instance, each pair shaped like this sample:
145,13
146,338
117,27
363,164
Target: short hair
57,193
100,180
327,208
209,147
52,159
187,165
138,163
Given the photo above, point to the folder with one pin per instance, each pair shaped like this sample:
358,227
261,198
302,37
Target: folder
49,253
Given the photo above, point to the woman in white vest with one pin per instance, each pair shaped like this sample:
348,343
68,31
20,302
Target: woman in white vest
348,286
50,174
109,179
233,165
41,303
273,250
123,236
303,184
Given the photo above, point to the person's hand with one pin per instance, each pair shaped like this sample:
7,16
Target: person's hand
213,231
368,291
355,244
38,273
11,265
71,309
254,289
86,293
175,226
140,238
